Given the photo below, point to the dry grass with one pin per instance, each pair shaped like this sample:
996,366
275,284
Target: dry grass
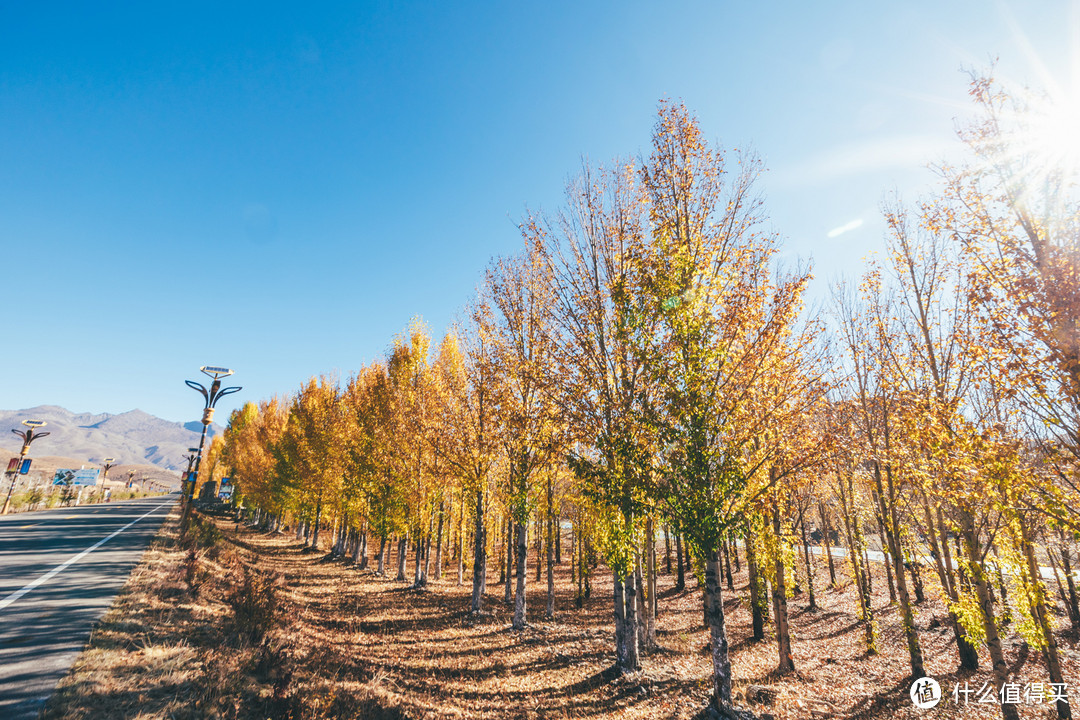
353,645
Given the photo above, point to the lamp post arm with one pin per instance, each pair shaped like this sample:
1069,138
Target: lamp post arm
198,386
222,393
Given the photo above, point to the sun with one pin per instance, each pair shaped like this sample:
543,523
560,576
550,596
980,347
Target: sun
1046,136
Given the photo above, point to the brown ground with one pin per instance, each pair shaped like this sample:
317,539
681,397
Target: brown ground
353,645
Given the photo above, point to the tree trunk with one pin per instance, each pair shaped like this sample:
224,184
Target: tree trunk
439,543
403,549
1066,565
522,553
381,571
891,532
783,634
508,588
680,577
552,556
857,560
364,531
826,548
479,584
667,549
806,559
558,539
650,584
630,636
718,642
1037,603
620,623
914,567
318,521
727,565
977,577
459,545
418,562
757,613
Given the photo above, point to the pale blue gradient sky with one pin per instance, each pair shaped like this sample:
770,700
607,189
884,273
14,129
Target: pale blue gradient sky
279,188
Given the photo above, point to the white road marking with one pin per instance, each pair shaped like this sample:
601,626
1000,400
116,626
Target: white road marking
61,567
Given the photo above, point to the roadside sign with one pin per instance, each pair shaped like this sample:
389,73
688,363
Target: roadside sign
87,476
13,465
25,467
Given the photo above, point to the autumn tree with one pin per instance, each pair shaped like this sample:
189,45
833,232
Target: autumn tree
520,299
723,350
587,250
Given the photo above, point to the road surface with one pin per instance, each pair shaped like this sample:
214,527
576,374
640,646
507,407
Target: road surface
59,572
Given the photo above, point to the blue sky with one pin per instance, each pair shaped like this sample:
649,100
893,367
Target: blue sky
279,187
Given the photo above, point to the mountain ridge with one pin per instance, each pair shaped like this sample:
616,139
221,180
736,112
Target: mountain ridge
132,437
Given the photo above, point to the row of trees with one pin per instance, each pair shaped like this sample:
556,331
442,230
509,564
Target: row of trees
646,363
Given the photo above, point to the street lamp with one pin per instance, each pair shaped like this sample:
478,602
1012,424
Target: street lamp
28,436
190,461
211,396
106,464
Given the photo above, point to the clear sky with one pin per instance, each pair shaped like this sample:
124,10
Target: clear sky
280,187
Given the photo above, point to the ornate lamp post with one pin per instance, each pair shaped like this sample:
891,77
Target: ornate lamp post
211,396
107,464
194,453
28,436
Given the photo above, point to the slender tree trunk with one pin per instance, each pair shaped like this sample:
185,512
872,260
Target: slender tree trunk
735,554
1037,602
1066,565
640,610
539,552
479,585
558,539
891,532
650,584
318,521
783,634
508,589
977,577
914,568
381,571
826,547
757,613
364,531
806,559
439,543
630,637
858,569
418,562
667,549
727,565
965,649
403,549
886,550
459,546
522,553
680,577
552,553
620,623
718,642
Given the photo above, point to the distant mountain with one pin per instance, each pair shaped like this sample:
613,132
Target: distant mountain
133,438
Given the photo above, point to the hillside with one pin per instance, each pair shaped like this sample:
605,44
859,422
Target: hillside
134,438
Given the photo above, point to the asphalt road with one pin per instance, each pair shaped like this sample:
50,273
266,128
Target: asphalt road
59,572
